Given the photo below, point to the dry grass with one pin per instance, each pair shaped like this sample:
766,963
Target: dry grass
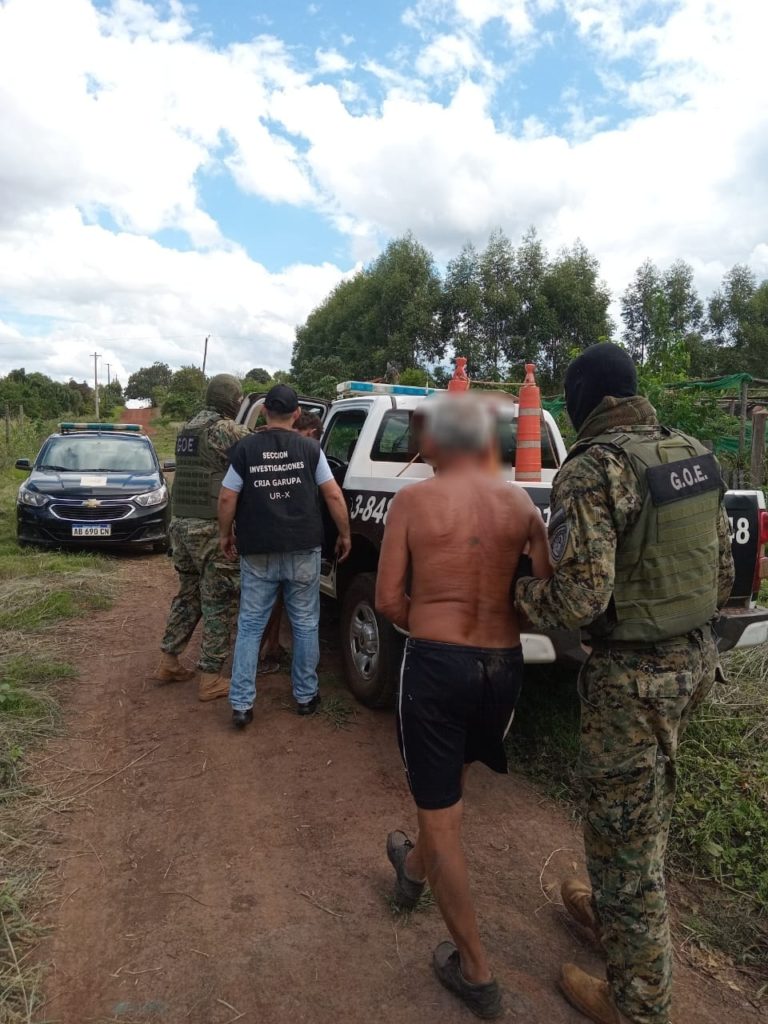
38,591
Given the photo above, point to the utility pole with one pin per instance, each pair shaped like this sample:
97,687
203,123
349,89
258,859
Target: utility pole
205,352
96,357
108,380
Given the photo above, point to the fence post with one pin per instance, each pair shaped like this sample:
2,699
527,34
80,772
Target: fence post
743,416
757,469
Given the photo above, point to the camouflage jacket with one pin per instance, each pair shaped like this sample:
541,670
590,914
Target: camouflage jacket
223,434
595,499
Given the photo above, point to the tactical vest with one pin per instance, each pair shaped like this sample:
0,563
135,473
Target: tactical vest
199,472
278,509
666,563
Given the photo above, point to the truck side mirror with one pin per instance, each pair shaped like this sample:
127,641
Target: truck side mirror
169,466
23,464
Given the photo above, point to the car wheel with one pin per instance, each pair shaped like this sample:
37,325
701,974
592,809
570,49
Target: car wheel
372,648
160,546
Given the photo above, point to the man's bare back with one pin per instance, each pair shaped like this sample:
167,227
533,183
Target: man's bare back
461,534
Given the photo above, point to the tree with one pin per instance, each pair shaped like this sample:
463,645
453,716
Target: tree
645,312
500,305
318,377
185,393
40,396
738,320
685,309
461,310
578,304
259,375
387,313
149,382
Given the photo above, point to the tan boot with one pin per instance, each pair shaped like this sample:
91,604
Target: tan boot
171,671
212,686
589,995
577,899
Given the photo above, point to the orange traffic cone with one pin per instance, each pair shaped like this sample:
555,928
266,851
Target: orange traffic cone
528,459
459,381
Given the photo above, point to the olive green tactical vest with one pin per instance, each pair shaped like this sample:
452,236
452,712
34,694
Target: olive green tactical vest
667,562
199,473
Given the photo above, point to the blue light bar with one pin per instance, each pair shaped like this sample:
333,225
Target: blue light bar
364,387
126,428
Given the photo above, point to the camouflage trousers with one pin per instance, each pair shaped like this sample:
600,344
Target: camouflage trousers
209,588
634,707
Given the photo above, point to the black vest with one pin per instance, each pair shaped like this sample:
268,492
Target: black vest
279,506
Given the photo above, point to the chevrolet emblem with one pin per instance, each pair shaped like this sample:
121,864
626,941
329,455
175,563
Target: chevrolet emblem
91,503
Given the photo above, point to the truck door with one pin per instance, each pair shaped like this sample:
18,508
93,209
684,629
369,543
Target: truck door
340,436
252,407
341,432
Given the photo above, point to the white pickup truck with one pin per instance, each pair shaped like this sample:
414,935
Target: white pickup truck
368,440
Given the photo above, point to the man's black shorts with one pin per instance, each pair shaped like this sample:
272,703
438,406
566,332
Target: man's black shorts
455,706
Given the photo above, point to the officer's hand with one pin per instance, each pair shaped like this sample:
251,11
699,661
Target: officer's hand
228,547
343,547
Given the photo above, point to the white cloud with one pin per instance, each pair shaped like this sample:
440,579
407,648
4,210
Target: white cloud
138,301
331,62
451,55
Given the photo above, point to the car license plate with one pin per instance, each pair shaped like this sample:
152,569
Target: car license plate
91,530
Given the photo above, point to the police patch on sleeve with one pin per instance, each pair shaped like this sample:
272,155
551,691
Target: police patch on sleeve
559,532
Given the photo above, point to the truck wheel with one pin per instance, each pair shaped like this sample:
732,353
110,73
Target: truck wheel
372,648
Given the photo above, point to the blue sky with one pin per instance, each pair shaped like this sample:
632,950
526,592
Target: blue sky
169,169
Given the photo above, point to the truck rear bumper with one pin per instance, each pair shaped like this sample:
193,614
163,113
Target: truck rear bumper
742,627
554,645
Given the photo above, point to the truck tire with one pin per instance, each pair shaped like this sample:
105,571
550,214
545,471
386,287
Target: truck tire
371,647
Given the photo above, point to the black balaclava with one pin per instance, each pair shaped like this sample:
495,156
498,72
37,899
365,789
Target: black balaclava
600,370
224,394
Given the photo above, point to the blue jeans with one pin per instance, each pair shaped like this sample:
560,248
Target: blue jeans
261,576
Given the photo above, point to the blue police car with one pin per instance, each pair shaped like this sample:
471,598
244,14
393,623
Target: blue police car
94,483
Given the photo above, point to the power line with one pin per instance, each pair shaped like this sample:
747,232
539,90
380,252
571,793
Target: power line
96,357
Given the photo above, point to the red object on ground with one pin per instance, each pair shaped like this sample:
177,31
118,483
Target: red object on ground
528,458
460,380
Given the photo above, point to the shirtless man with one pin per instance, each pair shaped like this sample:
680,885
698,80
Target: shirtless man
460,536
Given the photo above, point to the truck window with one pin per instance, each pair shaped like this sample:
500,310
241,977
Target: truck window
394,442
508,444
342,434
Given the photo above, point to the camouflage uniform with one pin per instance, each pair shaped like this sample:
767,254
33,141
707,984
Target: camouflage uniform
209,585
635,703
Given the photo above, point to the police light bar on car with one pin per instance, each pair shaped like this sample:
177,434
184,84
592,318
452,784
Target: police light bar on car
128,428
362,387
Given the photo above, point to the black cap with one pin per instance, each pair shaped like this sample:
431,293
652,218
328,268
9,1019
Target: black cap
282,400
600,371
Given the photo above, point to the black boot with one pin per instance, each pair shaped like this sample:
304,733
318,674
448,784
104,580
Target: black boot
242,718
310,707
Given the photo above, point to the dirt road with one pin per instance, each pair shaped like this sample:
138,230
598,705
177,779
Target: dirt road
142,416
207,876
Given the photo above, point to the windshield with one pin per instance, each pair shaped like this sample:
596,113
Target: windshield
97,454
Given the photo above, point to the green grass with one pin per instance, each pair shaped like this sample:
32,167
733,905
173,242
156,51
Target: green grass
164,437
719,836
339,711
38,589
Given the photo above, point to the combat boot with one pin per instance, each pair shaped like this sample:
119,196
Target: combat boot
212,686
577,900
589,995
171,671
